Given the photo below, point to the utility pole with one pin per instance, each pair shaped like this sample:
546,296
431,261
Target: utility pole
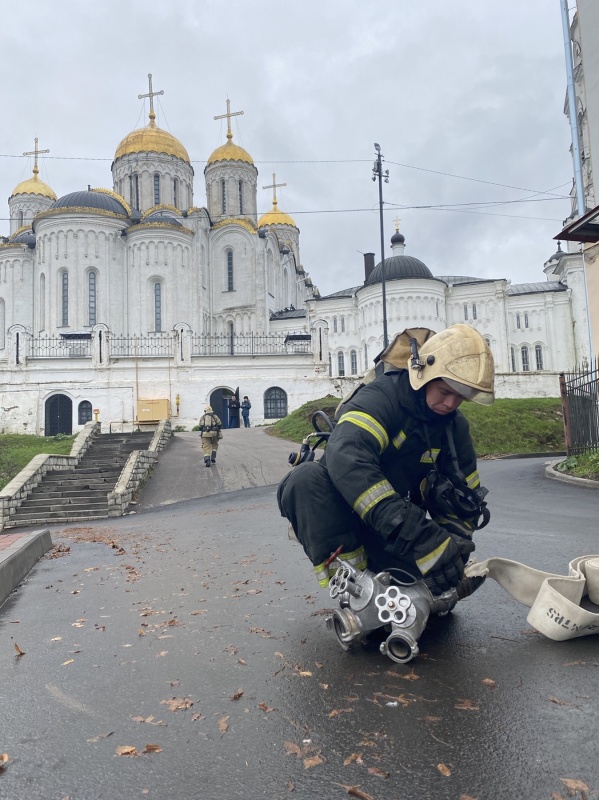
377,172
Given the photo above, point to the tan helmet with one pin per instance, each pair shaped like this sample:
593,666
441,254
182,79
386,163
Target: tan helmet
462,358
208,410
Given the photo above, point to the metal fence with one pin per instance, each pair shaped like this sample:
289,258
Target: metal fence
157,344
249,344
580,404
57,347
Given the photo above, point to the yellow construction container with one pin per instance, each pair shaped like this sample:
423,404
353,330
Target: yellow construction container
153,410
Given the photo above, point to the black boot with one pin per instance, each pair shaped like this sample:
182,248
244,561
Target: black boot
207,461
213,459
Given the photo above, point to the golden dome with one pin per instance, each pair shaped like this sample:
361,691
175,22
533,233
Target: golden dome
230,152
152,139
34,185
275,217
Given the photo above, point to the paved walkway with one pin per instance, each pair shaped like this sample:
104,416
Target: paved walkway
247,458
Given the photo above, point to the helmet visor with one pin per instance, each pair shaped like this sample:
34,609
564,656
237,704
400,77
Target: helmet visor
471,394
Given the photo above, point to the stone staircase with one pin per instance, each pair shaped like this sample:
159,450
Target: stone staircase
78,494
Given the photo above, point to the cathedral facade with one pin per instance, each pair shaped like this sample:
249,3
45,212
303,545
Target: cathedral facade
134,303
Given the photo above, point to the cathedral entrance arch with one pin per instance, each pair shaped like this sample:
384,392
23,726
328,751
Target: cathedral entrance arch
59,415
219,400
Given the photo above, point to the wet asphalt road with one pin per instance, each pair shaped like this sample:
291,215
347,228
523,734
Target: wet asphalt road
198,628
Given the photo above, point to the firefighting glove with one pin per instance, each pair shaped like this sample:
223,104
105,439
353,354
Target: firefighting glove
461,532
442,567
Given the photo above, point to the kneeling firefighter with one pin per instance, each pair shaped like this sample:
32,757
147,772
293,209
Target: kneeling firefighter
399,449
211,431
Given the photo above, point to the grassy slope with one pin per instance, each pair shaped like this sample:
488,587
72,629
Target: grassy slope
16,451
507,427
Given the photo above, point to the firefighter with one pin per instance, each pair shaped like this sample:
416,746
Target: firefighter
400,449
211,431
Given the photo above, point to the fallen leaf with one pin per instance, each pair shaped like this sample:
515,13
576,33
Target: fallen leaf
336,711
242,662
56,639
354,757
68,661
3,761
177,703
237,695
290,784
292,749
126,750
196,717
304,673
558,702
466,705
152,748
223,725
324,686
573,785
378,772
313,761
444,770
19,651
101,736
467,797
265,708
489,682
353,791
161,653
200,611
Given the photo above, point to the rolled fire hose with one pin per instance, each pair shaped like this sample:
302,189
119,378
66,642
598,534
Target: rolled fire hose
555,601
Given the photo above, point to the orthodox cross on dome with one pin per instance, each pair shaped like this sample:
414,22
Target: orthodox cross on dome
228,115
35,152
273,186
397,220
151,95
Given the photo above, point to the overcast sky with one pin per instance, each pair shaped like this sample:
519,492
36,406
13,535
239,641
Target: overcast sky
465,97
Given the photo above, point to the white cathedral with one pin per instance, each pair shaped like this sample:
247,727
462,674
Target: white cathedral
132,304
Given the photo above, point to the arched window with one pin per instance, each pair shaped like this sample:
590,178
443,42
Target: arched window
474,312
2,324
134,190
513,359
488,341
437,305
20,219
176,192
526,319
465,311
64,298
91,298
525,359
518,321
342,324
241,197
334,324
330,366
223,196
156,189
157,306
275,403
539,355
84,412
285,287
353,362
341,364
231,335
365,356
270,265
229,275
42,302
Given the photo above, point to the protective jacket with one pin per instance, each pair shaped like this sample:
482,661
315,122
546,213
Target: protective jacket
210,424
384,445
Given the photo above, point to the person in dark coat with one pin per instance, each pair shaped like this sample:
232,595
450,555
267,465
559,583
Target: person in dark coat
396,444
245,411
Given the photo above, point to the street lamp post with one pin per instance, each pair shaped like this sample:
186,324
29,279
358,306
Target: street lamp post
377,171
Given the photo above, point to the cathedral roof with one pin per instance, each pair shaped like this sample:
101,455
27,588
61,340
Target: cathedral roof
152,139
24,237
399,268
230,152
162,215
34,185
92,199
276,217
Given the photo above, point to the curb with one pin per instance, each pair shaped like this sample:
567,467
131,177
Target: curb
19,557
551,472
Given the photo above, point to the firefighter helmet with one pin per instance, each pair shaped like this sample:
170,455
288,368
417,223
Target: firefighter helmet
461,357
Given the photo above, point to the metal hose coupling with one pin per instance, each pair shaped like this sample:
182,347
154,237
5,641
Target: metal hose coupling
369,602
